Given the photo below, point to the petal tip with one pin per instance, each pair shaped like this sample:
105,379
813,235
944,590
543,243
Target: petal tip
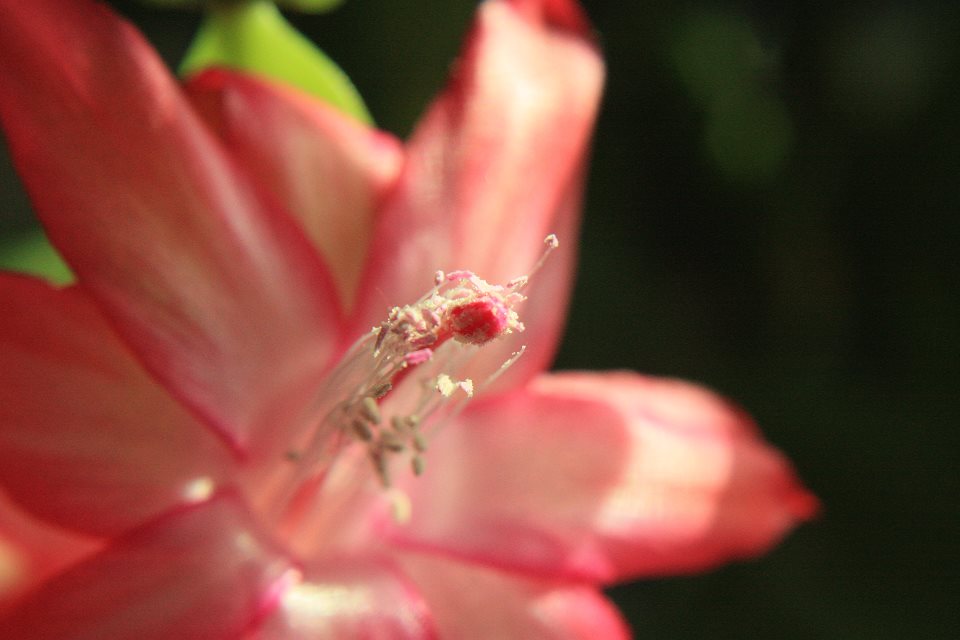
804,505
566,15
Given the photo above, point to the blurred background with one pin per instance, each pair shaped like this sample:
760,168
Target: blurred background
772,211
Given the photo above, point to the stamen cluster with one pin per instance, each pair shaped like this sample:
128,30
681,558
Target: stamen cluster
435,336
462,307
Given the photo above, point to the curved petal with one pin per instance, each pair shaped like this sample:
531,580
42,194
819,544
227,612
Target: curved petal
328,170
220,295
493,167
604,477
203,572
31,551
562,14
349,598
478,603
87,439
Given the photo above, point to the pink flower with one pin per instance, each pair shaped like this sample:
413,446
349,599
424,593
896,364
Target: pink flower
190,446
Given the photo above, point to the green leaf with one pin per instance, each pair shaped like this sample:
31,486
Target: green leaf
252,36
31,253
303,6
311,6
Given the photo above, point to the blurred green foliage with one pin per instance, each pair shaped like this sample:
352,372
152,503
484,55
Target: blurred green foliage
772,210
722,64
253,36
30,252
306,6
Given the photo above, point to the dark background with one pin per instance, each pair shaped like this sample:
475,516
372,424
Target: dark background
772,211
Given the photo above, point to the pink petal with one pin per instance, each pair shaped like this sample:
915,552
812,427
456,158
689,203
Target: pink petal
604,477
560,13
493,167
350,598
31,551
220,295
87,439
478,603
203,572
328,170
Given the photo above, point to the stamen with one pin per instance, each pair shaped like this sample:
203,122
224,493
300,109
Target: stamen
419,442
379,459
362,430
503,368
417,465
391,441
382,390
552,243
400,507
432,339
370,410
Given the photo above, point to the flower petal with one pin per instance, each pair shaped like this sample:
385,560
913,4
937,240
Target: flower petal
604,477
327,169
31,551
199,572
478,603
493,167
220,295
87,439
349,598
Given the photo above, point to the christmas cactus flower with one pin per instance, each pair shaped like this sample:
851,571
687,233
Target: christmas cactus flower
275,403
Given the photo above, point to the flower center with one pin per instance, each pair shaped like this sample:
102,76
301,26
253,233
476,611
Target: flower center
429,337
398,383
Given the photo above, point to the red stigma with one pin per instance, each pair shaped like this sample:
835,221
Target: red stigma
478,321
